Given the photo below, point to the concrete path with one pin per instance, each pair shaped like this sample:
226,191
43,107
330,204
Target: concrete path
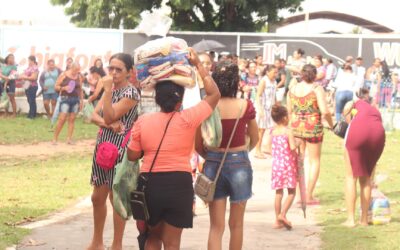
72,229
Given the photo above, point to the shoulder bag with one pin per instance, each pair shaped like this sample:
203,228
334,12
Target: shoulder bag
138,198
107,153
204,186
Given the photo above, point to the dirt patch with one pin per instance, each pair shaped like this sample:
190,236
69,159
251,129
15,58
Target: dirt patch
45,149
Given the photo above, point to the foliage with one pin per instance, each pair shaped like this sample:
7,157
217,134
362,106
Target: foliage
356,30
193,15
105,13
32,188
331,194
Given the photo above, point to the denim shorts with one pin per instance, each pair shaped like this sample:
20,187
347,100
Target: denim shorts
11,87
236,176
50,96
69,104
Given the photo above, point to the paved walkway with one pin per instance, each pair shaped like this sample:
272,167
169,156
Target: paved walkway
73,227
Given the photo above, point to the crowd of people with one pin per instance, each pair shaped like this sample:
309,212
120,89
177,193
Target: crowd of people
63,91
287,103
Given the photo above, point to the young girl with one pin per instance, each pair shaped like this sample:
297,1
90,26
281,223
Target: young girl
264,100
282,146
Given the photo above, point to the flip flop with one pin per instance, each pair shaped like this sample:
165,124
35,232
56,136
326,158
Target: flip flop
313,202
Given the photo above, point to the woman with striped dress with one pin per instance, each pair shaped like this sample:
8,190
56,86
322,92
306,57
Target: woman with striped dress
114,114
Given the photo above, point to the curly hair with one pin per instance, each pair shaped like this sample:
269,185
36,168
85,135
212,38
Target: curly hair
226,75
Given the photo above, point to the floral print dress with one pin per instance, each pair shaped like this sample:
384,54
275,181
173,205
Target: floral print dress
284,163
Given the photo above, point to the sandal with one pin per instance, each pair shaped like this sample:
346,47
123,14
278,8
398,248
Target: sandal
313,202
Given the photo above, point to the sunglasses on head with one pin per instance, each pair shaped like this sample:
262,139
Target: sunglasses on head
112,68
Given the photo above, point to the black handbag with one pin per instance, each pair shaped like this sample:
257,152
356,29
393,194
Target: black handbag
340,128
138,197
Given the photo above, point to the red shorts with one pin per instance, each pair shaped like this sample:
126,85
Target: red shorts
313,139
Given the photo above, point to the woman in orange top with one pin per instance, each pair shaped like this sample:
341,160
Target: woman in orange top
169,190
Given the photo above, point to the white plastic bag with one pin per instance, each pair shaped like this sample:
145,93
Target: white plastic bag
154,23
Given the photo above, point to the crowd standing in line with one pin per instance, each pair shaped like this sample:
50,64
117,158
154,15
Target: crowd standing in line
234,84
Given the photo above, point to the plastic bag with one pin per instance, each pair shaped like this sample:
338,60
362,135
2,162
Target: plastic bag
4,101
54,118
125,181
211,130
154,23
87,112
379,209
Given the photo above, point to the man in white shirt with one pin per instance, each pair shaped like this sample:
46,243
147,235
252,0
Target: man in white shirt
331,70
359,71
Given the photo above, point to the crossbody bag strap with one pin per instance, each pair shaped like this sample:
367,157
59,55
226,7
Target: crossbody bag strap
126,139
159,146
229,143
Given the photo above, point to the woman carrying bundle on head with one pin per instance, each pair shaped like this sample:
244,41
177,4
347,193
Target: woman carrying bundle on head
166,141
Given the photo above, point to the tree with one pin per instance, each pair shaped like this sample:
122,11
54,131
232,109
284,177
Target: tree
195,15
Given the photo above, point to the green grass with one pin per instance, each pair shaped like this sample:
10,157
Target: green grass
31,188
331,194
22,130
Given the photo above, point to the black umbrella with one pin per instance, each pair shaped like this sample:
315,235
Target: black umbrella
207,45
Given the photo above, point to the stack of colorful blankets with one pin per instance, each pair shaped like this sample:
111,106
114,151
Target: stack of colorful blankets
164,59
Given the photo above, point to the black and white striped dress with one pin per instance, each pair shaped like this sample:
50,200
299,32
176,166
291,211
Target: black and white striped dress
105,177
